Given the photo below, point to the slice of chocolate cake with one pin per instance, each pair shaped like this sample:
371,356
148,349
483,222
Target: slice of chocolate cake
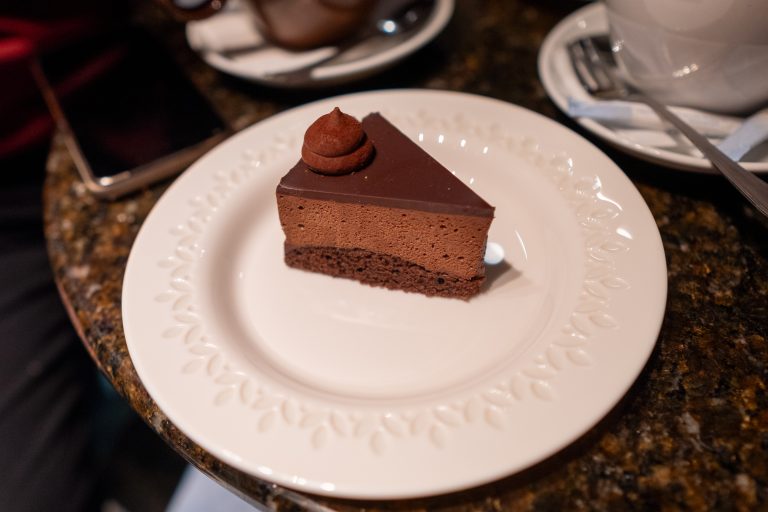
367,203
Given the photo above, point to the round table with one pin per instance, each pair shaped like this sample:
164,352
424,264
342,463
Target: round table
693,430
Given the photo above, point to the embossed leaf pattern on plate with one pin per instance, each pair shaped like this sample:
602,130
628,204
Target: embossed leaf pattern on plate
595,214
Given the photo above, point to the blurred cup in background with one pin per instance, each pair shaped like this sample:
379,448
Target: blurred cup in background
309,23
708,54
293,24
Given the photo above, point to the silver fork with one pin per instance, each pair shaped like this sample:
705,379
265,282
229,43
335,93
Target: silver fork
597,71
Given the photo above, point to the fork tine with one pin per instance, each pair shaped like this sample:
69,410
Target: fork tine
583,72
600,77
603,76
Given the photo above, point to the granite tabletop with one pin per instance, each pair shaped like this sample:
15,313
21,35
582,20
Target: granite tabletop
692,433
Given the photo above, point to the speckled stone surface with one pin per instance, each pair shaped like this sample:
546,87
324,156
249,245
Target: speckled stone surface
692,433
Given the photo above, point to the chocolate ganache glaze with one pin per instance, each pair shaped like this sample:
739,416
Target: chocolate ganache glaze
336,144
401,175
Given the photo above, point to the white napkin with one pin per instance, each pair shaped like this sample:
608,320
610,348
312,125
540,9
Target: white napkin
751,133
228,29
739,135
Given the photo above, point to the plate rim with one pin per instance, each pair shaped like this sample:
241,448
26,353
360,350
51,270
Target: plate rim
552,42
368,493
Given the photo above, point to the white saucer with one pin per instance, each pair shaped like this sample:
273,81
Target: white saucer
233,27
656,146
333,387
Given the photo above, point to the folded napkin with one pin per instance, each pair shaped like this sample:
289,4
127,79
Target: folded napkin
739,136
228,29
751,133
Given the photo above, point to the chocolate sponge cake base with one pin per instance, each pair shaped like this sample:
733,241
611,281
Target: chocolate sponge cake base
377,269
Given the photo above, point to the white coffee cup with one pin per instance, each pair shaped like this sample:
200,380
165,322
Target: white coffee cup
708,54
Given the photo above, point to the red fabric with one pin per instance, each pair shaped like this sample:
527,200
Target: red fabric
24,119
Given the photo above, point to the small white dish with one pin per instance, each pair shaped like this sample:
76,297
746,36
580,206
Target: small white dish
656,146
333,387
213,37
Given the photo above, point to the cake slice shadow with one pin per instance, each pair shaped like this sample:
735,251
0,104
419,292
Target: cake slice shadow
499,275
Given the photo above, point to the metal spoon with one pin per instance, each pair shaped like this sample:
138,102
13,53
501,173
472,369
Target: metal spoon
398,25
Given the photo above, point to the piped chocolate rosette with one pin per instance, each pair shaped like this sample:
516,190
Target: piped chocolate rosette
336,144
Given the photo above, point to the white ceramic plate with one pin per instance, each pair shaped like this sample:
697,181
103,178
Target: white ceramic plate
656,146
333,387
233,28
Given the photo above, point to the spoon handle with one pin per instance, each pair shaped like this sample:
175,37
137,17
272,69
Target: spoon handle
751,187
